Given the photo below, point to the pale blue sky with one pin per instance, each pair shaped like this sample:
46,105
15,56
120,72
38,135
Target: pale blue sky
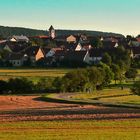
121,16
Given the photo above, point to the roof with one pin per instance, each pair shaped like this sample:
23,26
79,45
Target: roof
17,47
57,49
111,39
85,45
41,37
21,38
60,38
60,43
45,50
108,44
3,41
75,55
59,53
71,46
15,56
31,51
98,52
51,28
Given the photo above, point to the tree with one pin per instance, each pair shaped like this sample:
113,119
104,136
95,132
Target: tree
117,72
131,73
95,76
3,86
45,84
136,88
96,43
136,62
108,74
20,85
74,81
107,59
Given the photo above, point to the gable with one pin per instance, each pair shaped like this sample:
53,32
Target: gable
39,54
71,39
78,48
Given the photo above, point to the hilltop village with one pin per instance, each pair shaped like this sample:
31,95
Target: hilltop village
74,50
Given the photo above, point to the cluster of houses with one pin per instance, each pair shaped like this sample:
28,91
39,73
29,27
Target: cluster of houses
79,48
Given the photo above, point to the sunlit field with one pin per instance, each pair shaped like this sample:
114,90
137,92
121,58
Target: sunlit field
71,130
114,96
32,74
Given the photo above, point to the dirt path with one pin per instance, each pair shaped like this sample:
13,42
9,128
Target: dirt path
26,108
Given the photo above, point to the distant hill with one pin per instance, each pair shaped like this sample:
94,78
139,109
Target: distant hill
9,31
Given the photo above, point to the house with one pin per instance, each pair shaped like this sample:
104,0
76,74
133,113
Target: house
16,60
109,44
134,42
71,39
52,52
77,56
21,38
60,38
110,39
83,46
15,46
34,53
96,55
71,46
135,52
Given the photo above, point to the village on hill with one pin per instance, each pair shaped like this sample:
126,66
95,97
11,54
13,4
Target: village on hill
51,50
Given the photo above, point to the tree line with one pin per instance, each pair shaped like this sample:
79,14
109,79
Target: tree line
80,80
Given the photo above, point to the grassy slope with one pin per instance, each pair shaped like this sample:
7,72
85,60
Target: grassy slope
114,96
71,130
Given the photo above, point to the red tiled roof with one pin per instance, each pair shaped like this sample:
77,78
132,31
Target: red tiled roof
41,37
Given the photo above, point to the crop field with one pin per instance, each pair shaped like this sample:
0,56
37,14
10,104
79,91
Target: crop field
71,130
32,74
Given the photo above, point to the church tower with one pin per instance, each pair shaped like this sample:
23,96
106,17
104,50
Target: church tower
52,32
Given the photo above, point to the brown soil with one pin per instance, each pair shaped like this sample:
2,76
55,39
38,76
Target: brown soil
26,108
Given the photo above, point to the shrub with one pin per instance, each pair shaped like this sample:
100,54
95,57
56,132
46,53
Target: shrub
136,88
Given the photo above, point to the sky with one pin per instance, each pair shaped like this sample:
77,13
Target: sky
120,16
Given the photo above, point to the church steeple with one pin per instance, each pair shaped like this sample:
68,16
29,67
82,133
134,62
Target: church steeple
52,32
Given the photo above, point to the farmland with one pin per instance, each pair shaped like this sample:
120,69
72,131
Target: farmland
107,114
33,74
72,130
27,117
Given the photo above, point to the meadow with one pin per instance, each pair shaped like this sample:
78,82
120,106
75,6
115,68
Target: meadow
32,74
112,96
71,130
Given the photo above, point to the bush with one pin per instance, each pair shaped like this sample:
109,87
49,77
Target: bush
20,85
136,88
131,73
3,86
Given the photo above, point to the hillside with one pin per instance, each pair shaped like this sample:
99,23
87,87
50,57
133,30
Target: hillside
9,31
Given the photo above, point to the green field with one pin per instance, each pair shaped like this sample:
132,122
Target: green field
71,130
113,96
33,74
